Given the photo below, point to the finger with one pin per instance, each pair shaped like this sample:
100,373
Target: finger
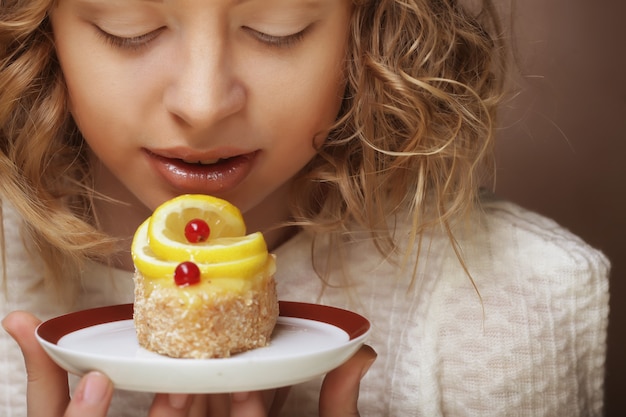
251,404
209,406
197,405
170,405
91,397
47,391
340,390
280,397
215,405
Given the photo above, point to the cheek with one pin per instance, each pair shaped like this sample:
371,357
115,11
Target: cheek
307,86
312,99
321,86
86,85
101,89
322,104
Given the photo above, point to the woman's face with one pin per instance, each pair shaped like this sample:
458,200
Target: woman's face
222,97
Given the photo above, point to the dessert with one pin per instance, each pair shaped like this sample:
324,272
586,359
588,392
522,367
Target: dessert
203,288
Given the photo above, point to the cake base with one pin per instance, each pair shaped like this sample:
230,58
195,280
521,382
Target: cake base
215,326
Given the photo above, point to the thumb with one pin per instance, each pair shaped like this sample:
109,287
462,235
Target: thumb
340,390
47,392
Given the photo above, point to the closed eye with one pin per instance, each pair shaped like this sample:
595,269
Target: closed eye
284,41
132,43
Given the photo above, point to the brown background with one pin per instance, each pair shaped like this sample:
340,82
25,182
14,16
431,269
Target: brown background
562,149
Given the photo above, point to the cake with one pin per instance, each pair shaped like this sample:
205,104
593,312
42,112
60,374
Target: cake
203,287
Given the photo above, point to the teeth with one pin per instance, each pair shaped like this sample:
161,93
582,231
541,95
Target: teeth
207,162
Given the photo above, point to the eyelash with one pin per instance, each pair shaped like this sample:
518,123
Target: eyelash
135,43
278,41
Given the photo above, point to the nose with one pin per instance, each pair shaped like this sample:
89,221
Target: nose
203,88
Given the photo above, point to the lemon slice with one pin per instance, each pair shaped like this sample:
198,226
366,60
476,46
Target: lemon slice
227,241
150,265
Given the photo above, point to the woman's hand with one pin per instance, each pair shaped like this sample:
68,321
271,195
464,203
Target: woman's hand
340,389
48,392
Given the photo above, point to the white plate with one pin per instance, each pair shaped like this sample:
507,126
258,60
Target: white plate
309,340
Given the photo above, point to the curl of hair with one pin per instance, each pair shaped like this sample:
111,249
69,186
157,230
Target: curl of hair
43,166
424,78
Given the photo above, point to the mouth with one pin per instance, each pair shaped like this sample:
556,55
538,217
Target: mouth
202,174
207,162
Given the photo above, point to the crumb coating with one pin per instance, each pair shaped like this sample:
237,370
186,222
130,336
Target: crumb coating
218,326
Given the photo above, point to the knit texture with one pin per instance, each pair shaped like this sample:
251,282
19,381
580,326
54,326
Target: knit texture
532,344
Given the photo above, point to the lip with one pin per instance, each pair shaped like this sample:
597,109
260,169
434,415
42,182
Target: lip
230,170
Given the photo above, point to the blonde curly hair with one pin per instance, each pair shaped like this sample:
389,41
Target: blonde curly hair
416,128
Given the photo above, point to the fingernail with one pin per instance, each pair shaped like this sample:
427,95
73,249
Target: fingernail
240,396
95,387
178,401
5,320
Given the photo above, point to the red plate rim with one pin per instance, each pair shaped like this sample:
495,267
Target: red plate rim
54,329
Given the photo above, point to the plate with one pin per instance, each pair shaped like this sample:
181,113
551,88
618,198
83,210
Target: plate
308,340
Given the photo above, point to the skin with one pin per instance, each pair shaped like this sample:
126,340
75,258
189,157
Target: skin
248,88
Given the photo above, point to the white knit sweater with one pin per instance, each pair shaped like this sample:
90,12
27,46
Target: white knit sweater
534,345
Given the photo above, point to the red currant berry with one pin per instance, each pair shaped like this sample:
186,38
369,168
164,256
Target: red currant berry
197,230
187,273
